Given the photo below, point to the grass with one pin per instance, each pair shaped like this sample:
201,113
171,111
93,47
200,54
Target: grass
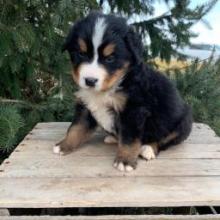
163,66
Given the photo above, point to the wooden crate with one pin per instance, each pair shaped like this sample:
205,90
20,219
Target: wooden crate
184,175
144,217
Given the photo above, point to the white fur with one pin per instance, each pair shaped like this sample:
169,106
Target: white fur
147,152
93,69
121,167
99,30
98,103
56,149
110,140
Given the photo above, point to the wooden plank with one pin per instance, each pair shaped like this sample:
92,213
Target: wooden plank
96,148
109,192
4,212
55,131
42,139
116,217
185,175
61,125
76,167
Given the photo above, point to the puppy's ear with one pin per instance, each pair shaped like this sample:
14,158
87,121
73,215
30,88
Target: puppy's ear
64,47
67,41
71,35
134,45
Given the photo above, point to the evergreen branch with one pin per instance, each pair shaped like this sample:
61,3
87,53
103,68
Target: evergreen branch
3,100
20,102
47,70
4,27
165,15
43,67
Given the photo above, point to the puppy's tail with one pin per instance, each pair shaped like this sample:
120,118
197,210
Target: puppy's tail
181,131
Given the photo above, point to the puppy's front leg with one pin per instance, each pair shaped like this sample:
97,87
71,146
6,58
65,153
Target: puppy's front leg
79,131
127,155
129,146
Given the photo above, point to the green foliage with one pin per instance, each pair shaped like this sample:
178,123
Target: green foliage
31,36
35,75
18,118
167,32
199,85
10,123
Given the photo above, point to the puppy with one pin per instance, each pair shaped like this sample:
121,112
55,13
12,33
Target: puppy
138,107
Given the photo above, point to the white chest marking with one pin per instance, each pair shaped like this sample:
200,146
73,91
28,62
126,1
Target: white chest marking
99,102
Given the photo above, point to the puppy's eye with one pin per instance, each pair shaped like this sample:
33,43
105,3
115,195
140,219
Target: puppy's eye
110,59
83,55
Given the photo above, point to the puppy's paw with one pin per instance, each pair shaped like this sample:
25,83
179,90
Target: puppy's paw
123,165
62,148
147,152
110,140
56,149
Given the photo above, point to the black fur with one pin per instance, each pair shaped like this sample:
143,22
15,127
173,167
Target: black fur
154,108
117,32
84,116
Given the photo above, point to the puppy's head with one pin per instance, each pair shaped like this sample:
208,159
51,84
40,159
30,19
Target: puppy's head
102,48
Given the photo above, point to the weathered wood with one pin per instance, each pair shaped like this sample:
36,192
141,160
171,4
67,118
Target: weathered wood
184,175
4,212
186,150
110,192
78,167
54,131
115,217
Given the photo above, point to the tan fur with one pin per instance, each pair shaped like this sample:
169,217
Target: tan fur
75,75
129,154
76,135
82,45
169,138
94,100
109,49
111,80
155,145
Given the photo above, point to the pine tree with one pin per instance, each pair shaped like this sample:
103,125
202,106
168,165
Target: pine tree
35,82
35,75
11,121
199,86
167,32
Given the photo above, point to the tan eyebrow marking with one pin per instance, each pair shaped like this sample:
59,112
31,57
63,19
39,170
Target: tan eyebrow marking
109,49
111,80
82,45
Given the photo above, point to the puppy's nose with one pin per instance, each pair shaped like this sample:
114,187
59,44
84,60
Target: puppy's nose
90,81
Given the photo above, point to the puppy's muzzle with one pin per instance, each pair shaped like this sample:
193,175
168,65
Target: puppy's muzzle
90,81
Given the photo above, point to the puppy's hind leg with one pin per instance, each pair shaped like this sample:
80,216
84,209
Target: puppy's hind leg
110,139
149,151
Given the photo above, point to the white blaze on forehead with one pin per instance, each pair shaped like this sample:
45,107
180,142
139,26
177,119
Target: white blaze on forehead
93,69
98,33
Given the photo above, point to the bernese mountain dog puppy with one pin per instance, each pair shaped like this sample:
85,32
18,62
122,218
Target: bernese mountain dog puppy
139,108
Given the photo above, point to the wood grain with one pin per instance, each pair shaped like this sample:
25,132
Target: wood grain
115,217
109,192
184,175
